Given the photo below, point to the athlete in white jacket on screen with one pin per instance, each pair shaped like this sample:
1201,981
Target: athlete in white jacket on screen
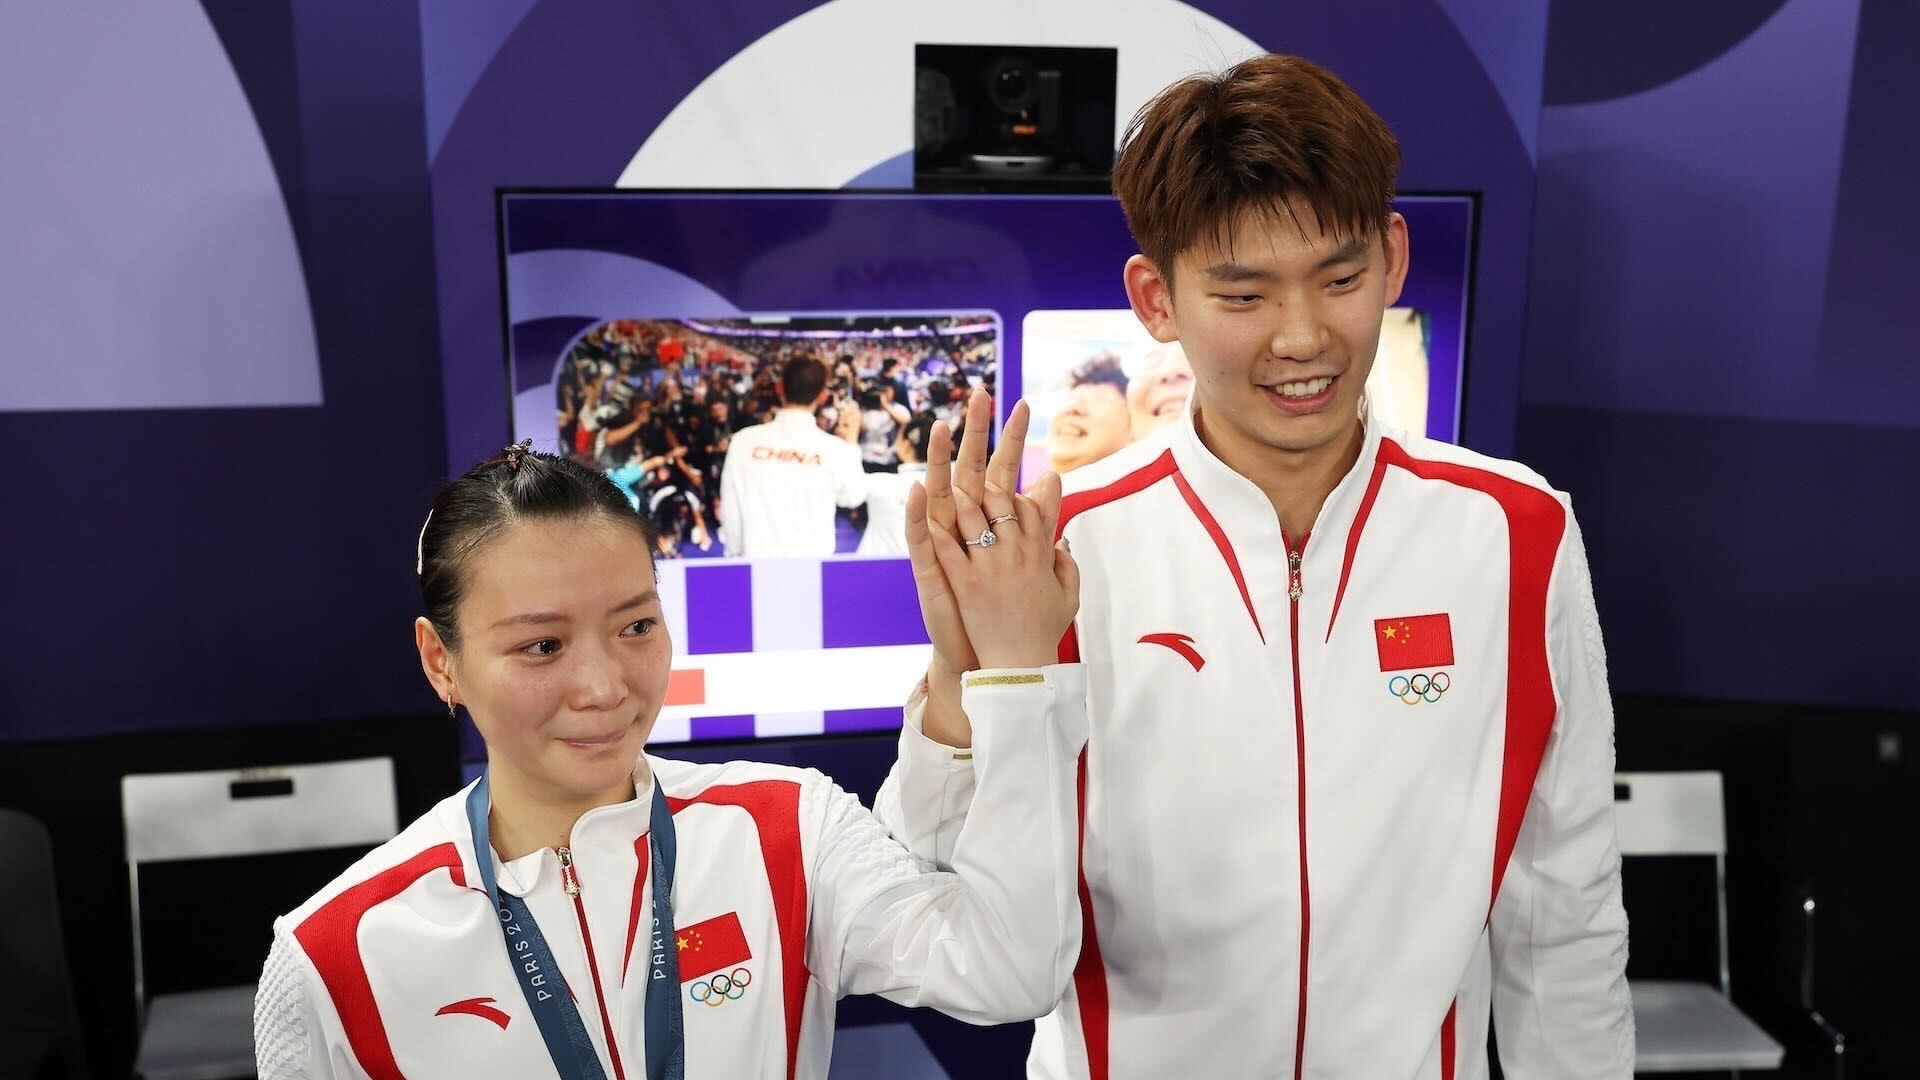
588,910
1347,792
786,479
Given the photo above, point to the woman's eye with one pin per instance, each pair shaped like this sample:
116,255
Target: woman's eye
643,627
543,647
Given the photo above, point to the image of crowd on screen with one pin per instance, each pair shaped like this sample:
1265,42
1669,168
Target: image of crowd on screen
654,403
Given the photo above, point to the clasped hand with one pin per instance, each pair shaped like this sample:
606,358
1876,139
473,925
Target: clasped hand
995,589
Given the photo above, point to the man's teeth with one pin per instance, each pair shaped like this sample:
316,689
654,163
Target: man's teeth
1304,389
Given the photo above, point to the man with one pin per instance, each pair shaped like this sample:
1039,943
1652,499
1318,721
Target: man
1348,790
1095,422
677,513
887,490
1157,396
892,373
784,479
717,435
643,440
881,418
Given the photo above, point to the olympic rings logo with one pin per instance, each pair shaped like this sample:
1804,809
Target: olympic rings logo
721,989
1418,688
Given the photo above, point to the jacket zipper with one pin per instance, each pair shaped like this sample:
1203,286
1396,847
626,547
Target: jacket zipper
570,882
1294,590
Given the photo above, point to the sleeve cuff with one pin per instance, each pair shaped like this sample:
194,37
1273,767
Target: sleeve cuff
988,686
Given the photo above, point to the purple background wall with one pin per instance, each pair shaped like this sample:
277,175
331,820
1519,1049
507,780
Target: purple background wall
166,568
1721,360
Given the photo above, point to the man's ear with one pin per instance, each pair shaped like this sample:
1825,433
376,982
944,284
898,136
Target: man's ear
1150,292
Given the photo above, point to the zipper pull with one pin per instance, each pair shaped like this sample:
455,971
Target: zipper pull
569,877
1293,576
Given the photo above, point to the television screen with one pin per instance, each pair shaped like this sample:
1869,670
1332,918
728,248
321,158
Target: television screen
645,332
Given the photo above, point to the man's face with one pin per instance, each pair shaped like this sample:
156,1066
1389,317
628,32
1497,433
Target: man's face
1094,424
1280,322
1156,396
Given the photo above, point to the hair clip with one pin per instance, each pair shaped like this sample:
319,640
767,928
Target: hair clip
420,548
516,452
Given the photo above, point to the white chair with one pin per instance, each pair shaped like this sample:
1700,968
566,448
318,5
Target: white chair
208,1034
1687,1026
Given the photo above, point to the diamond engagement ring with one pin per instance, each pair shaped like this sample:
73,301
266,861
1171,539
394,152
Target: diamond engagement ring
987,539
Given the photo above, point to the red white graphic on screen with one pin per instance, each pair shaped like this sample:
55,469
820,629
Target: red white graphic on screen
687,686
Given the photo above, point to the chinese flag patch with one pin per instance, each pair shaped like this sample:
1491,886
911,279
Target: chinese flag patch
1414,641
706,947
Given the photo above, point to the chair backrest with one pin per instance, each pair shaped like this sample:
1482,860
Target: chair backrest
235,812
38,1017
232,813
1676,813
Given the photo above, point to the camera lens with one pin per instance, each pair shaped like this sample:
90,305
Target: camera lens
1010,84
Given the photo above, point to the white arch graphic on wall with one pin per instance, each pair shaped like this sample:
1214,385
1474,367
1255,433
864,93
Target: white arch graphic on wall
751,124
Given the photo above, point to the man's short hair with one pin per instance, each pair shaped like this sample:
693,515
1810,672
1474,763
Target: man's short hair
801,380
1268,135
1103,369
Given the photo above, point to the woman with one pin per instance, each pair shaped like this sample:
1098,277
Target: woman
631,916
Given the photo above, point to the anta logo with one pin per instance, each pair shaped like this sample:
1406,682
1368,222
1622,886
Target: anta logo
1179,643
789,457
481,1007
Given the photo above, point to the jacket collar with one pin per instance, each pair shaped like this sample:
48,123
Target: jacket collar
1243,509
613,825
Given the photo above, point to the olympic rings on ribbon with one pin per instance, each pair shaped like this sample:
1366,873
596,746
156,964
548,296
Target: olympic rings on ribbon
1412,690
721,989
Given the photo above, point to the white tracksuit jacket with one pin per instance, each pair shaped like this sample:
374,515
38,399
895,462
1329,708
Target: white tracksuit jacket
783,482
1334,815
397,968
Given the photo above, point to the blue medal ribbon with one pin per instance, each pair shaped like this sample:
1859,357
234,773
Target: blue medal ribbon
545,988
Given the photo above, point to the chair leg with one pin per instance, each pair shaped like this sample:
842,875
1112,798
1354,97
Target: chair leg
1835,1039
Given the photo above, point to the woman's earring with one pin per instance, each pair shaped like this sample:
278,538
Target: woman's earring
452,710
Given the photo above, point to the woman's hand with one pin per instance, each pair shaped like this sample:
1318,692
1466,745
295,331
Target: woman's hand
996,591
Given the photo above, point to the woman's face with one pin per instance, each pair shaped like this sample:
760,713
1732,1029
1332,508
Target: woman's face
1094,423
563,657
